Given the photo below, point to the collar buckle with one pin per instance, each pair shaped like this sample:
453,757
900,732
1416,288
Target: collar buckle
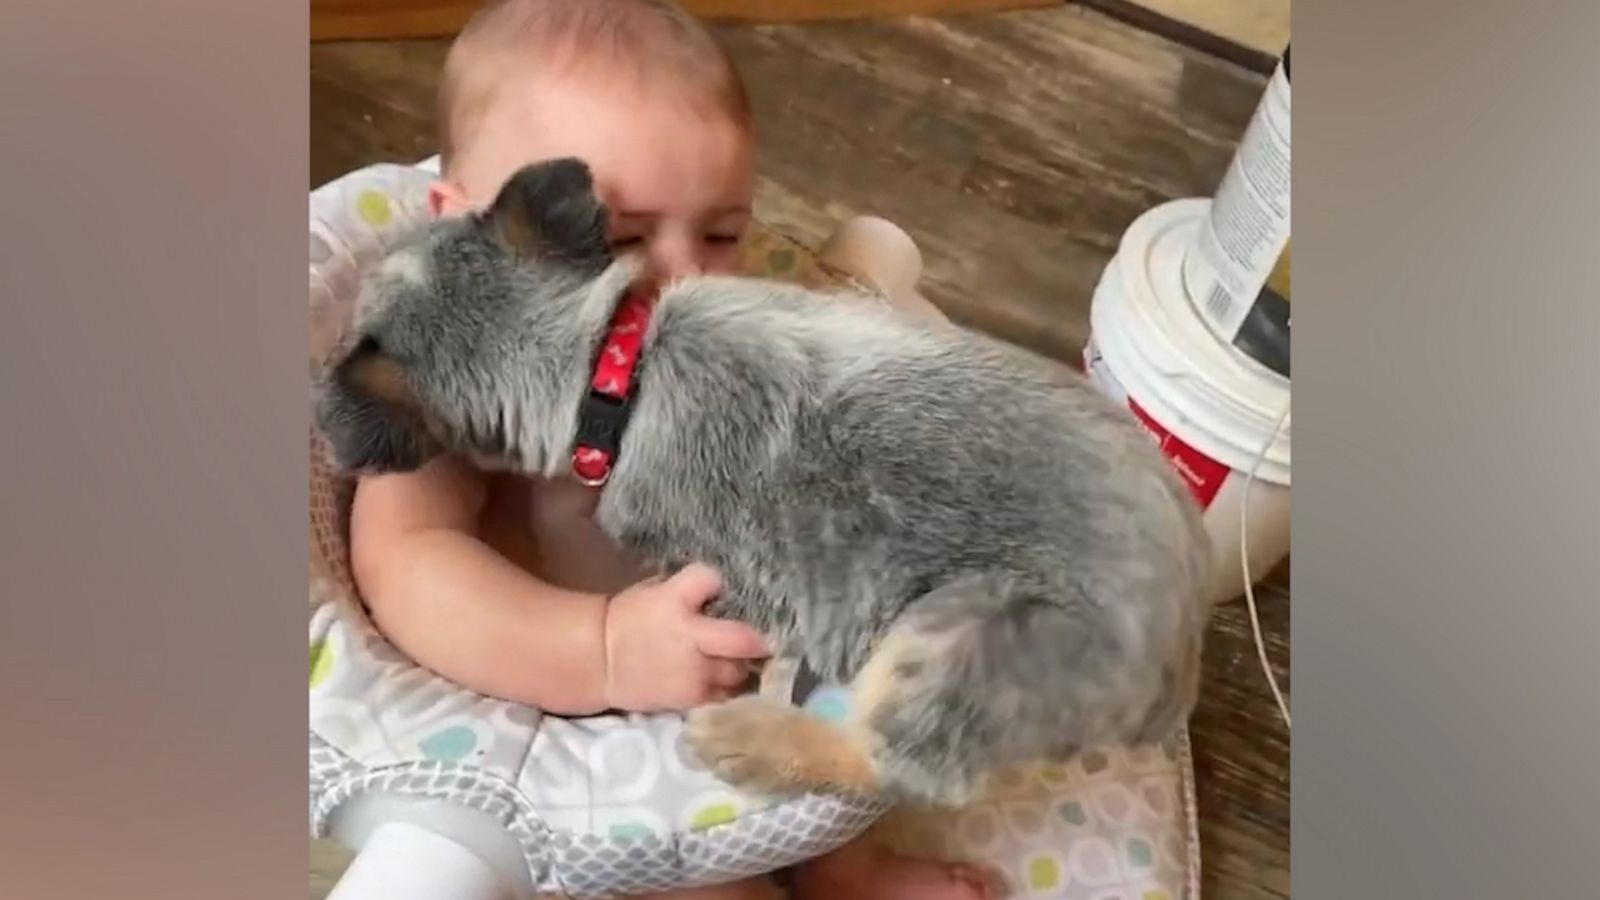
603,413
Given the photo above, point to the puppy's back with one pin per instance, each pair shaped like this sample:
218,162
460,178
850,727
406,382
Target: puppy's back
947,450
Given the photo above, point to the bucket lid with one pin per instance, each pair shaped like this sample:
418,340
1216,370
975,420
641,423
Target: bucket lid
1195,385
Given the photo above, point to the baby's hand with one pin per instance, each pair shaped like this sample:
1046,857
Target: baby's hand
662,654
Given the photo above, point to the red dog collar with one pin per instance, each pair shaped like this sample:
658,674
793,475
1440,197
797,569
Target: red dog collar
603,415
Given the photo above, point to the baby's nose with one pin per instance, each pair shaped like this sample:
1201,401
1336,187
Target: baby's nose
672,258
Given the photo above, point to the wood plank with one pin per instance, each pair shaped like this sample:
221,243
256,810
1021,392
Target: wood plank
1248,33
1261,25
339,20
1013,148
769,11
333,20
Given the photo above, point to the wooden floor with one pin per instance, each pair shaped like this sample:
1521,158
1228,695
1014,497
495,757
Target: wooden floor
1015,148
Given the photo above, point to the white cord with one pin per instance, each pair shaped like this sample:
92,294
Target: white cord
1244,563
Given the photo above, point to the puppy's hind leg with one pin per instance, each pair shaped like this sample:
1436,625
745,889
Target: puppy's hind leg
983,674
764,745
978,675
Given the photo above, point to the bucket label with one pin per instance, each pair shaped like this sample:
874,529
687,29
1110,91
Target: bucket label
1242,247
1201,473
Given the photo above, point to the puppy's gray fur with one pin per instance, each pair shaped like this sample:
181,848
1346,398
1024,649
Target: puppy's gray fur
853,474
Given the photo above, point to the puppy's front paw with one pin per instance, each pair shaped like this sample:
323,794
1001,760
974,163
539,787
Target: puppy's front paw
765,746
742,741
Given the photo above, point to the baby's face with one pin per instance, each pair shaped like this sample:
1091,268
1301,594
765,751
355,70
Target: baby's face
678,185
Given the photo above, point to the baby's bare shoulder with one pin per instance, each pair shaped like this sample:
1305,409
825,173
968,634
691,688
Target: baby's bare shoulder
446,493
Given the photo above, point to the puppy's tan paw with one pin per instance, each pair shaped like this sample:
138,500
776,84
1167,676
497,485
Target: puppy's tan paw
773,748
740,740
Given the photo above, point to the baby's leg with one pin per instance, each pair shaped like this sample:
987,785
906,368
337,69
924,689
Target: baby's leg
749,889
877,252
864,870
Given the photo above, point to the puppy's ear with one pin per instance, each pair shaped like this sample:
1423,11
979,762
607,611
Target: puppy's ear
549,212
371,415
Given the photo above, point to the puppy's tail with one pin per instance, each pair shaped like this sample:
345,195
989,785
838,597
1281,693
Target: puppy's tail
985,673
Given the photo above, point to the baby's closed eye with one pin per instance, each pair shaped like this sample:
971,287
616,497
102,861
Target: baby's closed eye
635,241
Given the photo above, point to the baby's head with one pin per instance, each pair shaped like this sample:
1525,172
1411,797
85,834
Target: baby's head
635,88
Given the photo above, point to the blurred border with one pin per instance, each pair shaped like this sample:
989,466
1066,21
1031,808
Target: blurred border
153,370
153,376
1447,564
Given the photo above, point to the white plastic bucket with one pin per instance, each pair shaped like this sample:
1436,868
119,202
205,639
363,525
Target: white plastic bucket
1210,409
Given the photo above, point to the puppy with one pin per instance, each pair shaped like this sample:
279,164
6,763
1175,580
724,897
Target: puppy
995,559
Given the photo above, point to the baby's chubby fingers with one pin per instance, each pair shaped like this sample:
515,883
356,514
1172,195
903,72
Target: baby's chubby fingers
727,673
695,586
729,640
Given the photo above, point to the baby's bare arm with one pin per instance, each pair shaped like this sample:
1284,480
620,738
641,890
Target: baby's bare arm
454,605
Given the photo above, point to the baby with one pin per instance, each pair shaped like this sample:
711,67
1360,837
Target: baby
506,585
